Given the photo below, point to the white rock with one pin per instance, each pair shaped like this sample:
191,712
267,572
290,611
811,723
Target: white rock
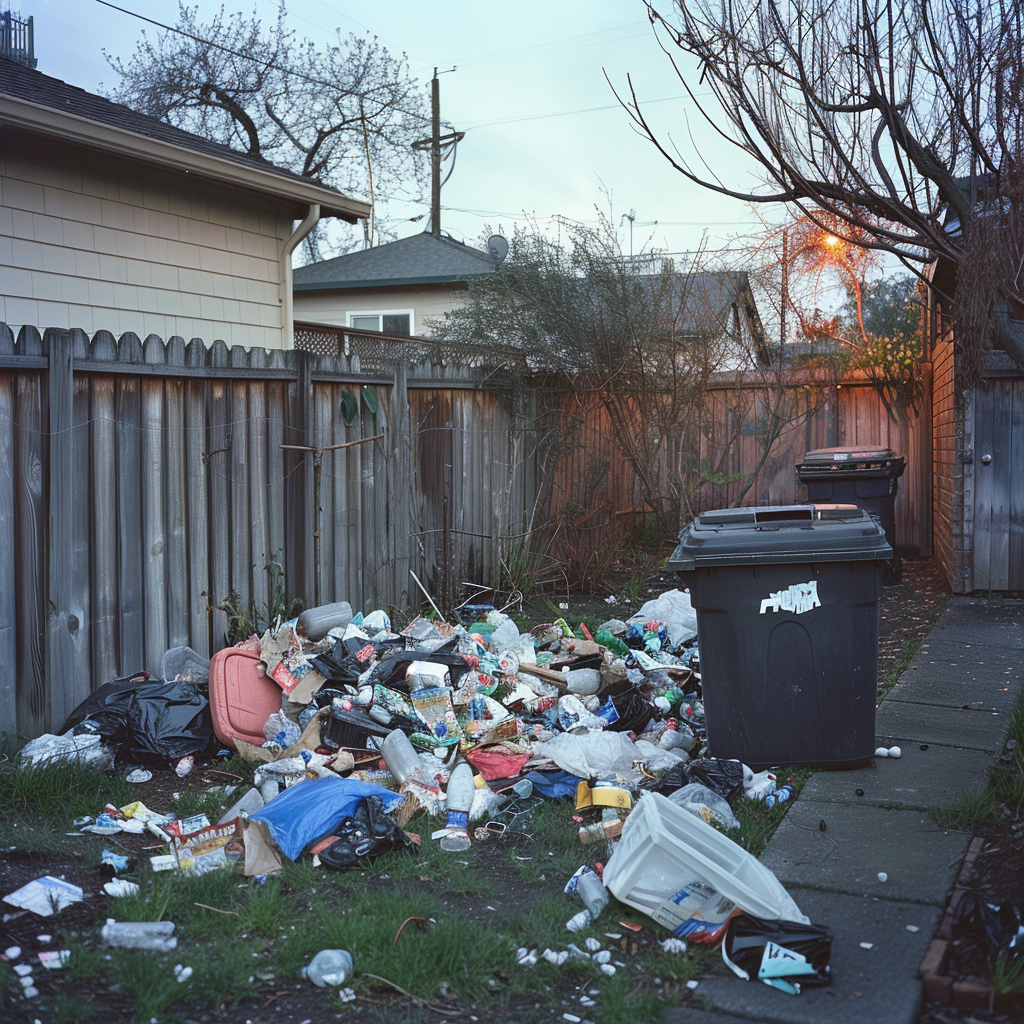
12,952
608,969
882,876
882,752
895,752
593,944
603,957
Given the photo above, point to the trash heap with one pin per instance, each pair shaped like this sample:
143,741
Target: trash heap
365,728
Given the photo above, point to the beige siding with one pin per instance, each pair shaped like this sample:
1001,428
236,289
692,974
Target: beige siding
426,301
88,243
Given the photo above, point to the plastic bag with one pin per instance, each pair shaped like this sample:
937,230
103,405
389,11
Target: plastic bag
674,609
603,756
723,777
783,954
1000,926
311,810
147,720
86,748
279,729
184,663
364,835
706,804
634,711
573,715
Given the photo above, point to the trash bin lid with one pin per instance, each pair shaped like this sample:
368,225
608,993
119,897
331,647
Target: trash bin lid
777,534
851,461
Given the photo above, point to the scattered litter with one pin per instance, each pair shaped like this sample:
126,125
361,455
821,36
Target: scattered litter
45,896
117,861
882,876
692,984
674,945
182,974
329,968
139,775
120,887
152,935
867,945
913,928
184,766
608,969
593,944
54,960
12,952
23,970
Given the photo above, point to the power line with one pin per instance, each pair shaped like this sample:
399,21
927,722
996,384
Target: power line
563,113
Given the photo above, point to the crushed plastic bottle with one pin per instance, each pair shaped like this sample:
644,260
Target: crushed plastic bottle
461,789
329,968
154,935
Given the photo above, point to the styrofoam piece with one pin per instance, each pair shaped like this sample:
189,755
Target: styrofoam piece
664,848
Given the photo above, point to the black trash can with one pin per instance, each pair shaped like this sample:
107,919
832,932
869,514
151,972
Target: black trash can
787,623
866,477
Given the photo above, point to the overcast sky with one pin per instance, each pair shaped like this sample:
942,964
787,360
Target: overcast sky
544,133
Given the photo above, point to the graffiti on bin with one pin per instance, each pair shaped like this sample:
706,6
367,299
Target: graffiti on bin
797,598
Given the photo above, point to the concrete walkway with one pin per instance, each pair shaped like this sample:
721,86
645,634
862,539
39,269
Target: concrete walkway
949,713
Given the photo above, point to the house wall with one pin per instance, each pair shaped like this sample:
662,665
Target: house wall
101,245
333,307
949,536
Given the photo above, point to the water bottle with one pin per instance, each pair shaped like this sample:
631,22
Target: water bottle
155,935
459,799
780,796
401,758
329,967
591,890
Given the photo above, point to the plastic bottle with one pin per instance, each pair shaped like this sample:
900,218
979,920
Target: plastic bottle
608,639
780,796
591,890
401,758
329,967
459,799
155,935
316,623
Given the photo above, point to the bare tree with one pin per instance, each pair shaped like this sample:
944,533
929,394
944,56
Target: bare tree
630,334
343,114
902,120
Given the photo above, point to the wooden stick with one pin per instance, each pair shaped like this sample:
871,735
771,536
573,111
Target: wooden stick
206,906
426,595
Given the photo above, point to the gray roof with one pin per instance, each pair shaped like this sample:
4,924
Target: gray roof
21,83
418,259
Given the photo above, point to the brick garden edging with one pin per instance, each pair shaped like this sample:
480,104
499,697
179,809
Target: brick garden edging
938,986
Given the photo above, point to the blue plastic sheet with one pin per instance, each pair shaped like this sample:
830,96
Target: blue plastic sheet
310,810
553,785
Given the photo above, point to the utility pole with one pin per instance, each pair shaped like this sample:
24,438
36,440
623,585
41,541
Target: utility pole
435,156
437,144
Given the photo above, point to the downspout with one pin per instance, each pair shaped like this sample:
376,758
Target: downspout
287,322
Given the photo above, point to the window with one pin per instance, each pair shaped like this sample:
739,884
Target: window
389,321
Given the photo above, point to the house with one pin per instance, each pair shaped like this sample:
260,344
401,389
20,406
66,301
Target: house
396,288
113,220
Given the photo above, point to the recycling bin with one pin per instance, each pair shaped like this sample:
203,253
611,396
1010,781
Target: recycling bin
787,625
866,477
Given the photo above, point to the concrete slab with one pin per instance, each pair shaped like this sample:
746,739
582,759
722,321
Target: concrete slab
991,623
919,779
926,683
970,662
859,841
876,984
901,721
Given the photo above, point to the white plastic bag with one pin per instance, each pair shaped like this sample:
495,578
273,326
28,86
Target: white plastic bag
84,749
674,609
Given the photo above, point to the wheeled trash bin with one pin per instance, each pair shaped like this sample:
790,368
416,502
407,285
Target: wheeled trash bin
866,477
787,626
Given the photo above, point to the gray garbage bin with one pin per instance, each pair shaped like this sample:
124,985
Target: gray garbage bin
866,477
787,622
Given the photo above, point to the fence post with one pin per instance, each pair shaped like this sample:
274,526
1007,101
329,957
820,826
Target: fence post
300,515
62,655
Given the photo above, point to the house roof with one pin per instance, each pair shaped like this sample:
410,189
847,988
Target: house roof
35,102
418,259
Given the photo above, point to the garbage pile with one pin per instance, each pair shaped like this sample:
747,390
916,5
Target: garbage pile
359,728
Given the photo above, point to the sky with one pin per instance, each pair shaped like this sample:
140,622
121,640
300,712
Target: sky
545,135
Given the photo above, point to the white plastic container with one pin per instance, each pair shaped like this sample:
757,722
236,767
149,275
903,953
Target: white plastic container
663,849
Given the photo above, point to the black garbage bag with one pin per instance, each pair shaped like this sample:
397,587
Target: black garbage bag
784,954
365,835
390,670
998,927
340,665
634,711
722,777
147,720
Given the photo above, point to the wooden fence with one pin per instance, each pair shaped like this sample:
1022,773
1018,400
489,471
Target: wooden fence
144,483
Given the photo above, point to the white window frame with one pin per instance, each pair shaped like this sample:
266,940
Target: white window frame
380,314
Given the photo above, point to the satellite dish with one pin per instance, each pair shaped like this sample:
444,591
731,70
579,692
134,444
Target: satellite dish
497,246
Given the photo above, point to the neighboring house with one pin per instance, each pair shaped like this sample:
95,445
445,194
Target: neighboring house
113,220
396,288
